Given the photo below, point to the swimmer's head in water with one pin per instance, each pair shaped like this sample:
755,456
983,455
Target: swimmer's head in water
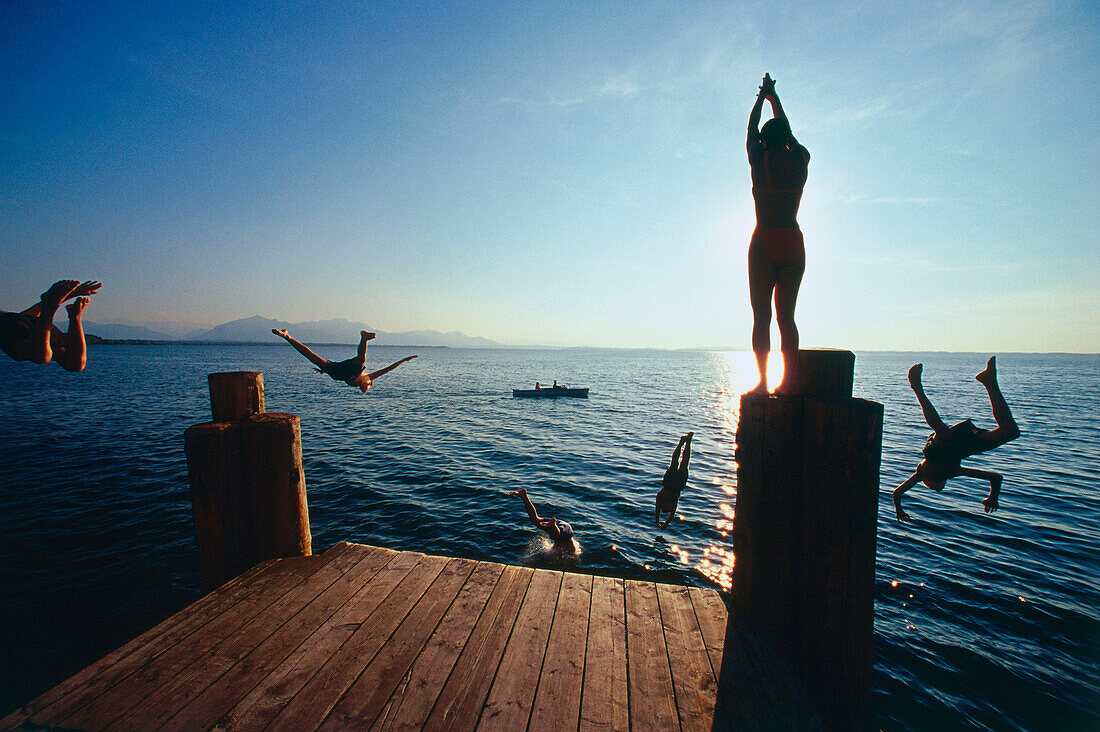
775,133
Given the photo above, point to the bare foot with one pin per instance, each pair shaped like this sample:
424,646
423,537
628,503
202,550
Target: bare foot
281,333
915,374
58,293
989,376
761,388
368,336
689,435
76,307
520,492
89,287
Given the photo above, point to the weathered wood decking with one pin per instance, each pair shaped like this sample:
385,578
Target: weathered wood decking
363,637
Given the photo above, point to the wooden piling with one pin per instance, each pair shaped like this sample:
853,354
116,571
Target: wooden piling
236,394
248,489
805,531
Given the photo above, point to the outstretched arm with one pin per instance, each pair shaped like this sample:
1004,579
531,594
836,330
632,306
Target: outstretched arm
375,374
911,481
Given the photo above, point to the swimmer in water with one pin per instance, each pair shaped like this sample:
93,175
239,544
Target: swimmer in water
31,335
675,480
947,446
560,532
777,253
350,371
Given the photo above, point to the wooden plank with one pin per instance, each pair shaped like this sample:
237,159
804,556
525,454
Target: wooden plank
558,700
604,697
365,699
460,702
512,693
695,682
145,678
205,709
652,695
742,702
316,699
264,702
118,664
157,707
408,708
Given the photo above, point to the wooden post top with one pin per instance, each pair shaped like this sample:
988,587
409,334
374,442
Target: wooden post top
822,372
236,394
826,372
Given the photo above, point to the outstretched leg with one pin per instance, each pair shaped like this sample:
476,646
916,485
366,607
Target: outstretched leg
786,294
361,355
676,455
38,348
1007,428
375,374
531,512
70,349
687,451
931,416
300,347
762,278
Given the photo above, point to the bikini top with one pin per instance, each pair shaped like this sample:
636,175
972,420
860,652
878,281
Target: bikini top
770,187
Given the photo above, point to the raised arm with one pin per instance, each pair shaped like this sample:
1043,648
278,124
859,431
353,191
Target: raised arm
767,86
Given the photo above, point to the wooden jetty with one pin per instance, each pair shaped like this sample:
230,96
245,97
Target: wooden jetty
363,637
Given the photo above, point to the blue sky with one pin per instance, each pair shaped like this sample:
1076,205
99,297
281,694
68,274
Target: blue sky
556,173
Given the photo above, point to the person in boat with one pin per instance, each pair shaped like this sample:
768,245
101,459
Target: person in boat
560,532
674,482
555,386
777,253
30,335
351,371
538,386
947,446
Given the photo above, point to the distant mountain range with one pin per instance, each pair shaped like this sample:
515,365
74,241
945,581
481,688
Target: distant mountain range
257,329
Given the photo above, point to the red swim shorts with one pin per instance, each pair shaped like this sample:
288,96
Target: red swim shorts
783,247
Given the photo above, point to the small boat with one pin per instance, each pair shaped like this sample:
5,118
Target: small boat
551,391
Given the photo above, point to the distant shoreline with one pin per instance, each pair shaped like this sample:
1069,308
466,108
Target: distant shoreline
94,340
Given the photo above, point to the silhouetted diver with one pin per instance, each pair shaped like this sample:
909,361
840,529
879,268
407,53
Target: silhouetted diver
777,254
350,371
674,482
947,446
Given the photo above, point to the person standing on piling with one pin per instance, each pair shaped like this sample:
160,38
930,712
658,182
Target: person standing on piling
947,446
350,371
31,335
777,253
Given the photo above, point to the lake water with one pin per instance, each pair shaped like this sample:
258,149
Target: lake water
982,621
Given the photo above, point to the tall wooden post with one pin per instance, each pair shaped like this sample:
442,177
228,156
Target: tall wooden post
248,488
805,531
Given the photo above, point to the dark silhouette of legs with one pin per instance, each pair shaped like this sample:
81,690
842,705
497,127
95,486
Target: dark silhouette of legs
762,280
931,416
786,293
766,281
1007,429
